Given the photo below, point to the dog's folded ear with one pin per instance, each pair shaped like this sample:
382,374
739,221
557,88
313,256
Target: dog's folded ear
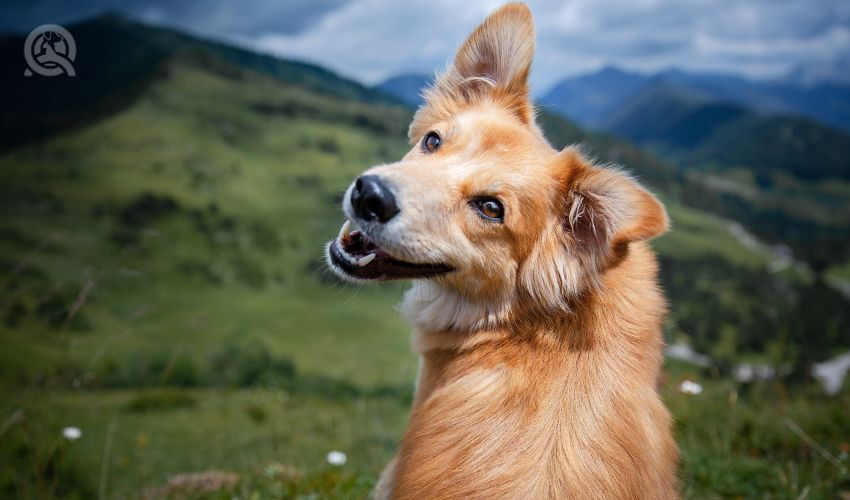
494,62
605,209
601,211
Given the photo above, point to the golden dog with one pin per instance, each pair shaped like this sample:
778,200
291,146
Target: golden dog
535,305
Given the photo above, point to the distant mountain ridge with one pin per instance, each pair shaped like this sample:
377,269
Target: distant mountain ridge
716,120
407,87
591,99
691,130
666,116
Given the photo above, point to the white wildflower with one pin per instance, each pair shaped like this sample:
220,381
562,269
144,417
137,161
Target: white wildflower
690,387
336,458
72,433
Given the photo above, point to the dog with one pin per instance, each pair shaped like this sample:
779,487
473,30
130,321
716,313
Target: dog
534,300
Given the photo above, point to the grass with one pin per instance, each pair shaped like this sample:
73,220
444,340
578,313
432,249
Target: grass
185,233
736,442
734,439
220,430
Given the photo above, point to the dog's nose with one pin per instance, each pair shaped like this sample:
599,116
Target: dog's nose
372,199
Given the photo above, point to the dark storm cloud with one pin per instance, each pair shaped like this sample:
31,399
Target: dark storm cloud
220,18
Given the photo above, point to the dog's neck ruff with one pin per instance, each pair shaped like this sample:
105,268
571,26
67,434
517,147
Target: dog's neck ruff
430,307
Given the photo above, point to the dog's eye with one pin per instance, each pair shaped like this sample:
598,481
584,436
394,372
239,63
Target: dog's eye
489,208
431,142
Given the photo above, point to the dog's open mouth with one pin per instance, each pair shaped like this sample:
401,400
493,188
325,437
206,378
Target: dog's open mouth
356,256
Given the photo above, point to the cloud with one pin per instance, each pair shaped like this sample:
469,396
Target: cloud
756,38
216,18
233,18
373,39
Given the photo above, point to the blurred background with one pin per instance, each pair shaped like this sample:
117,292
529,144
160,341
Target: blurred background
169,330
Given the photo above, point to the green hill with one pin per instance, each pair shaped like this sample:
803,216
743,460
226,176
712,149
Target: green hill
163,291
747,167
118,59
693,130
789,144
670,118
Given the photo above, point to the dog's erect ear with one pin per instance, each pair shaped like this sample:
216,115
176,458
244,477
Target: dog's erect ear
605,209
500,50
494,61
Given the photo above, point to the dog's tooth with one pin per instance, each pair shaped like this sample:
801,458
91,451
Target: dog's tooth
344,230
363,261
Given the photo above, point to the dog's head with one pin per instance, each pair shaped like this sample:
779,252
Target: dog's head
481,209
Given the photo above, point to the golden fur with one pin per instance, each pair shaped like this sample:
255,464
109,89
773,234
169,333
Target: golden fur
541,351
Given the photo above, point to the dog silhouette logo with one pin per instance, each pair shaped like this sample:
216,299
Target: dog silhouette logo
50,50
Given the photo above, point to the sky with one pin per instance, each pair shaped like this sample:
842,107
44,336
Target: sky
371,40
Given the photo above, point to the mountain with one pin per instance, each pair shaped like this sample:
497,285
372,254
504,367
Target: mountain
801,147
407,87
669,118
693,130
116,59
592,99
826,102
